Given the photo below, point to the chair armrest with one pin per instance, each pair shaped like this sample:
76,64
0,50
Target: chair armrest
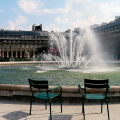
109,87
79,88
56,88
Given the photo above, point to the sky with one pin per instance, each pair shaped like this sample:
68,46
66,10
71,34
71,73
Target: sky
56,15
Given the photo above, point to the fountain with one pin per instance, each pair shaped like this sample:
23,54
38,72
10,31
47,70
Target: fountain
74,49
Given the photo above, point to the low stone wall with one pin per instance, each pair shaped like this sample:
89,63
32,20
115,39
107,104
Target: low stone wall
68,91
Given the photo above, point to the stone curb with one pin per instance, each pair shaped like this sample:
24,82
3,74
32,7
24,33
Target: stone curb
68,91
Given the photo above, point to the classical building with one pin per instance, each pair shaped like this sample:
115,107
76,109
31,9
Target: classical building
109,38
23,44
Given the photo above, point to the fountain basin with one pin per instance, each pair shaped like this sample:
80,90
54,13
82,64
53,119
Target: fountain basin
69,92
18,73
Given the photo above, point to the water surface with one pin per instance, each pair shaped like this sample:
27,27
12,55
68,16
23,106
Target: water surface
19,74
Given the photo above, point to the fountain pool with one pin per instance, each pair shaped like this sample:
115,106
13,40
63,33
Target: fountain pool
19,74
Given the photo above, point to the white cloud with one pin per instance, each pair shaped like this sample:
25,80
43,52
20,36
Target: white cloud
89,0
50,11
78,14
108,11
21,19
81,23
79,1
65,20
29,6
34,6
58,19
29,28
94,13
62,20
52,27
12,25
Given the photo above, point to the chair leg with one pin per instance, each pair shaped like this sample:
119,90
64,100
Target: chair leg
83,110
50,110
82,106
46,104
31,105
101,105
61,103
108,109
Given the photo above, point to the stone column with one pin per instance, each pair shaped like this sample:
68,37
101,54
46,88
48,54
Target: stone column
3,51
7,50
20,51
33,49
25,50
16,50
29,50
29,47
12,50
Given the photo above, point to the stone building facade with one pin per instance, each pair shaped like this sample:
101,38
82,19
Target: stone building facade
23,44
109,38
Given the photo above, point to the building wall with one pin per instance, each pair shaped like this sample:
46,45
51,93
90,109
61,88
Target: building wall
18,46
109,38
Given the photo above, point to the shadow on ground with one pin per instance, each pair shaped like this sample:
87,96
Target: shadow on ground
15,115
61,117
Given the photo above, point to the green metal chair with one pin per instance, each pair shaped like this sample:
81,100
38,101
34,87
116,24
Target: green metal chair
94,84
42,87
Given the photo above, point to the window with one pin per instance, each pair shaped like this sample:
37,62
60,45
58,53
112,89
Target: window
22,46
27,46
31,46
35,46
18,46
5,36
9,36
13,46
5,46
9,46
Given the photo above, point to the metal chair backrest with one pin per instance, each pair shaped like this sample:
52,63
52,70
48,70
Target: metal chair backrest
96,84
42,84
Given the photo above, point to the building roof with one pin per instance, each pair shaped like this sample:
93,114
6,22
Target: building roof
109,25
24,33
